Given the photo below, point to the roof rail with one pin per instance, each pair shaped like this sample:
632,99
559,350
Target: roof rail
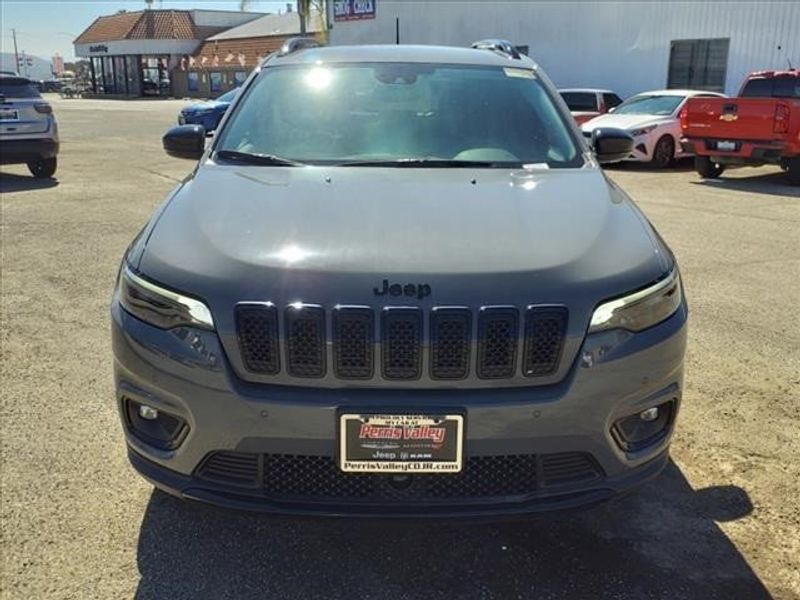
496,45
298,43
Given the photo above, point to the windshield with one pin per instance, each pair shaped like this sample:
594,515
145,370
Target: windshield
384,112
649,105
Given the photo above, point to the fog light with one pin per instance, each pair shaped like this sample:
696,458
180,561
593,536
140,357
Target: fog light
153,426
151,414
645,428
651,414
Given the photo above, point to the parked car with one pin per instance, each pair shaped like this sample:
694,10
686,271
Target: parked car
652,118
585,104
151,87
28,128
208,113
411,293
761,126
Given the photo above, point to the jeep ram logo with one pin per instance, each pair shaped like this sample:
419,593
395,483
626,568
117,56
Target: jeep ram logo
420,290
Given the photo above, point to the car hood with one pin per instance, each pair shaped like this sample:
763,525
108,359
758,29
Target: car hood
204,106
331,235
623,121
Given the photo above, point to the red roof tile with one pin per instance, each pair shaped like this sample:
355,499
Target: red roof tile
145,24
106,29
163,24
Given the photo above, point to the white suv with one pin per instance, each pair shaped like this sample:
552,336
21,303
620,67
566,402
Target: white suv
28,129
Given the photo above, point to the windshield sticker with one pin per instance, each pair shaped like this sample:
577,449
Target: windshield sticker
515,72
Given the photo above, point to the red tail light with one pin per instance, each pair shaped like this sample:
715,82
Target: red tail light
684,116
43,107
781,123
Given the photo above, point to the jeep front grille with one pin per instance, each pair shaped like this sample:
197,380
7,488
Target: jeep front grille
401,343
353,341
305,341
451,337
545,328
257,327
497,342
448,343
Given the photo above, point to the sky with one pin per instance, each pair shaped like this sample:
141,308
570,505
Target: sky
45,27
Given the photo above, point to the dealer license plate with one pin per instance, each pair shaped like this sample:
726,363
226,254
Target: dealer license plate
379,443
726,146
7,114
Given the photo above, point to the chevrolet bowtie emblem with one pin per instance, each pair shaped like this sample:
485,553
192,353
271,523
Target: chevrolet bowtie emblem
728,117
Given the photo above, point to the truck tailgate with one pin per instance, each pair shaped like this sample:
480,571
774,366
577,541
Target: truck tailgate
737,118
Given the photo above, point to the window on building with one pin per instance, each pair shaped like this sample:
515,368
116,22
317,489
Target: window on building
216,81
698,64
193,81
239,77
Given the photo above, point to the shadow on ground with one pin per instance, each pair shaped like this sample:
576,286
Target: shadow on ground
774,184
681,165
661,542
11,182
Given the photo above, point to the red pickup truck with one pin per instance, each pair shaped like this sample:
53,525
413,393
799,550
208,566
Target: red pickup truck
761,126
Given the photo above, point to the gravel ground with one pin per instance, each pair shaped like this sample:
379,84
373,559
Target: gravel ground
723,522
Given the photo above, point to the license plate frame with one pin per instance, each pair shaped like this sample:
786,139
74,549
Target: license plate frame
374,442
727,146
9,114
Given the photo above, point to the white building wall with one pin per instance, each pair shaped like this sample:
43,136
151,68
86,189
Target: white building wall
121,47
624,46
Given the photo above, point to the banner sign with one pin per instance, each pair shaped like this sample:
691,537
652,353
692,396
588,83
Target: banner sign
353,10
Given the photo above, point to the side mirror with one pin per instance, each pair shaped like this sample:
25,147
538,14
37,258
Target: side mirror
185,141
612,109
611,145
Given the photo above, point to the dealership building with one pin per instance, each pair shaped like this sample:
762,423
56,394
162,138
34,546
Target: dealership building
627,46
195,53
134,53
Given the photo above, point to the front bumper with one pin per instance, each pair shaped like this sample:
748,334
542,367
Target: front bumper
25,150
184,372
747,152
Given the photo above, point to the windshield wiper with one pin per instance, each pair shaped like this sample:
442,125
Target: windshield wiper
437,163
252,158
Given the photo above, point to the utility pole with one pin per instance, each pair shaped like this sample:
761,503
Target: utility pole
16,54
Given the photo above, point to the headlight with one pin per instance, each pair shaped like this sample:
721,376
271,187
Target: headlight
641,309
642,130
158,306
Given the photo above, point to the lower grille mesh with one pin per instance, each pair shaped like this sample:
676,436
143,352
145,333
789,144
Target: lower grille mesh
292,477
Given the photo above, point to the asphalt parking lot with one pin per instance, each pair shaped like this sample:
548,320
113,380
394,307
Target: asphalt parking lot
722,522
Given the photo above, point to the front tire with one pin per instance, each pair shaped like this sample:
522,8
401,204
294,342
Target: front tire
43,168
663,153
707,168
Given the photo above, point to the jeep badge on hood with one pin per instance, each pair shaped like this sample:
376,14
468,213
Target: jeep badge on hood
420,290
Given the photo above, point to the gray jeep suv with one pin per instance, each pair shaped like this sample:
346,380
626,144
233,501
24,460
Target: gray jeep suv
398,283
28,129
